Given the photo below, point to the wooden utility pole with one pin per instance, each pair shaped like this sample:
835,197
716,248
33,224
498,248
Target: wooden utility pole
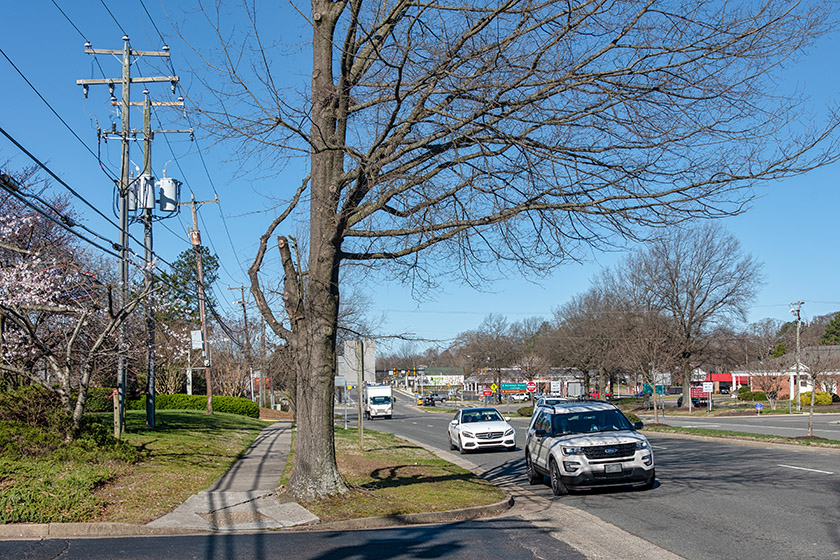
125,136
248,363
195,238
797,310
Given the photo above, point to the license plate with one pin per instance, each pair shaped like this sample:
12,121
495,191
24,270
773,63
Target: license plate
612,468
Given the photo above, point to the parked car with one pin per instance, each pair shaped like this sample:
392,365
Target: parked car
425,401
480,428
587,445
699,402
519,397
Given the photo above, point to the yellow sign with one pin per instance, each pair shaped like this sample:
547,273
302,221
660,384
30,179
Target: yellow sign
494,387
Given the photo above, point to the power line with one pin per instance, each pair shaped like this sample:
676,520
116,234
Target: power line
104,5
54,112
199,151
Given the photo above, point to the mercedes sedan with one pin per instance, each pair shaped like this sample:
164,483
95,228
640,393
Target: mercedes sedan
480,428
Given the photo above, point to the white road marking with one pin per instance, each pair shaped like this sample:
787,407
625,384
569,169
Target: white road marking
804,469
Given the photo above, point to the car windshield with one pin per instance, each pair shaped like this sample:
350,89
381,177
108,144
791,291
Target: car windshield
380,400
488,415
589,422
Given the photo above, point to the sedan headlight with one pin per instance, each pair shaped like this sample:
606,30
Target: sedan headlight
467,434
573,451
509,432
642,445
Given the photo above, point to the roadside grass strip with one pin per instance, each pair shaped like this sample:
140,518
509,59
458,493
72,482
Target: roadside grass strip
391,476
727,434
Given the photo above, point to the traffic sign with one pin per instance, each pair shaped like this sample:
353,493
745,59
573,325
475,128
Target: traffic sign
487,392
493,387
531,387
708,386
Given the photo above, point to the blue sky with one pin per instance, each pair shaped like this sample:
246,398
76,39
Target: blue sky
791,227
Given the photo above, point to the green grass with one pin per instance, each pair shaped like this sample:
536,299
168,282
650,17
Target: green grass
394,477
135,480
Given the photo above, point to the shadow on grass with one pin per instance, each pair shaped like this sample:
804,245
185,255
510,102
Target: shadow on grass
396,476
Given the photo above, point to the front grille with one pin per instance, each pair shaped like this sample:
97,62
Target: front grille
610,476
489,435
610,451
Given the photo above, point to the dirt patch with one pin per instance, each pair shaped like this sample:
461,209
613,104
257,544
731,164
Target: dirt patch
272,414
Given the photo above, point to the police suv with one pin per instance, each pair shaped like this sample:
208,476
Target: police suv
584,445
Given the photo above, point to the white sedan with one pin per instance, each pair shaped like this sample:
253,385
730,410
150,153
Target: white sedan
480,428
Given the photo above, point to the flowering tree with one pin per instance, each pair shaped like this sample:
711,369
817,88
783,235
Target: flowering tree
54,316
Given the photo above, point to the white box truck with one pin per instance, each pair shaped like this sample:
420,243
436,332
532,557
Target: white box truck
378,401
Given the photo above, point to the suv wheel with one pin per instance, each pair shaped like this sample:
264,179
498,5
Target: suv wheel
649,483
533,476
557,486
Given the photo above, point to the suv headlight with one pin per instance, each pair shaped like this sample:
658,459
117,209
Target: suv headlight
573,451
509,432
468,434
642,445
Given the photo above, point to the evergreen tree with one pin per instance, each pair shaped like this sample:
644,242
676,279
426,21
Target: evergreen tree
178,299
831,335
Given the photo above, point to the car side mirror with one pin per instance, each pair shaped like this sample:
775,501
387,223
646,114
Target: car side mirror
506,418
454,422
540,433
638,425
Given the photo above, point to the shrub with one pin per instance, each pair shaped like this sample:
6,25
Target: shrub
821,398
753,395
98,400
231,405
525,411
835,397
34,406
743,391
632,417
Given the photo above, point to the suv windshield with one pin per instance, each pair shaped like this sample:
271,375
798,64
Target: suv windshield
589,422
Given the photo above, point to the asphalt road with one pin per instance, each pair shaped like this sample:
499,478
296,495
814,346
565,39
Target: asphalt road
486,540
713,499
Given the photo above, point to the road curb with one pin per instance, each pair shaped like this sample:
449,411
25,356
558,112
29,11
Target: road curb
425,518
30,531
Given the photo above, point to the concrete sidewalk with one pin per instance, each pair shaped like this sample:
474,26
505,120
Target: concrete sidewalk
244,498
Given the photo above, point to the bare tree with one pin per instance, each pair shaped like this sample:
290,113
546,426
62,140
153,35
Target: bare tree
701,279
446,137
823,363
586,332
771,382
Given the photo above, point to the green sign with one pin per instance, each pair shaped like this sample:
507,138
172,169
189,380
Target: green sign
516,387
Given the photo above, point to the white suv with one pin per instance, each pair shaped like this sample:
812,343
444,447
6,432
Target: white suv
587,445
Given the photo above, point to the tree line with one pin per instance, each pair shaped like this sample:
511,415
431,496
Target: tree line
677,303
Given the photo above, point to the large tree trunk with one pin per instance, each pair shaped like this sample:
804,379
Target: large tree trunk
314,332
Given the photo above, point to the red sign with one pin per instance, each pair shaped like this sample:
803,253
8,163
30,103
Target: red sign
531,386
487,392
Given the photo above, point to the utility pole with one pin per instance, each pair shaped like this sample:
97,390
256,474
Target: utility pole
248,363
195,238
360,363
797,311
125,82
